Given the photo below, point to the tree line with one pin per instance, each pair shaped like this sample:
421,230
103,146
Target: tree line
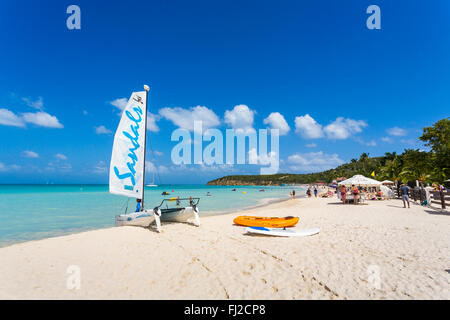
432,166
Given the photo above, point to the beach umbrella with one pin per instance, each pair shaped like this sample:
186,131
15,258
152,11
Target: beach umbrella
360,180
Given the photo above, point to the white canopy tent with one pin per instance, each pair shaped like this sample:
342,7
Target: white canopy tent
360,180
387,182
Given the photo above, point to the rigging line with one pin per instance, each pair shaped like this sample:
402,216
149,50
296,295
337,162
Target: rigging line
125,205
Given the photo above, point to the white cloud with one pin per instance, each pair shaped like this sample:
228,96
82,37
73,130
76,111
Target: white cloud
262,159
408,141
387,139
150,167
65,167
151,122
311,145
343,128
42,119
120,104
313,161
30,154
8,118
184,118
276,121
371,143
396,131
60,156
158,153
100,168
240,118
307,127
37,104
7,168
102,130
58,166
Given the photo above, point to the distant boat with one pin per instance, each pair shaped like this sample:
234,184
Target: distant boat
152,184
127,169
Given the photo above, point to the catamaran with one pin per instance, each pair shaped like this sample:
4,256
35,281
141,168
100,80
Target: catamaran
127,170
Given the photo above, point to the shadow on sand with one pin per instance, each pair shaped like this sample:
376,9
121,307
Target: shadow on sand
437,212
400,206
152,226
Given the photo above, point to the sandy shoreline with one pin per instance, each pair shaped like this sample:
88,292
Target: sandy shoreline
376,251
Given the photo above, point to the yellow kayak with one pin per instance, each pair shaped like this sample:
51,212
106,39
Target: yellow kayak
270,222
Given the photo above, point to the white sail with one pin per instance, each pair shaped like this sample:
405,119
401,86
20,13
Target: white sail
126,171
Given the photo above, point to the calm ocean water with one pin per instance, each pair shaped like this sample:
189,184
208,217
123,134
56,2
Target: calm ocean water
31,212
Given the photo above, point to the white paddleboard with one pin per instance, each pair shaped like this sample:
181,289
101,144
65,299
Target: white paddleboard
282,232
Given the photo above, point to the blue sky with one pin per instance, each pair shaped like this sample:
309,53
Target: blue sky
351,89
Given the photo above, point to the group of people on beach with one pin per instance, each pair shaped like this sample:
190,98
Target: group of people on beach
353,190
292,194
357,192
309,192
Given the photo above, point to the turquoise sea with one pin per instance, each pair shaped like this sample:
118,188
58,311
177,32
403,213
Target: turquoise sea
31,212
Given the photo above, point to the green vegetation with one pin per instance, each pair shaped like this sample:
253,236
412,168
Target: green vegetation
411,165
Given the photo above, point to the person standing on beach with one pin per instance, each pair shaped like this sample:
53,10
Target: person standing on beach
308,192
343,193
315,192
293,194
355,194
405,189
138,206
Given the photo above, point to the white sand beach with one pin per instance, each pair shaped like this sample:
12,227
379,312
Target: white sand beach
374,251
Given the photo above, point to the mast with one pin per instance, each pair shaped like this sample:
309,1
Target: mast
147,89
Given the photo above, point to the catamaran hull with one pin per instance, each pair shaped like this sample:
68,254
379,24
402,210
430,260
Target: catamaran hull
177,214
141,219
147,217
